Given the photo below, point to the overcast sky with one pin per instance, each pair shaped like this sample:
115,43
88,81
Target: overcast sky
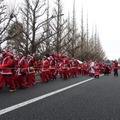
105,14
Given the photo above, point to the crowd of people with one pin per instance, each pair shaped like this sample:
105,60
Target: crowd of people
19,71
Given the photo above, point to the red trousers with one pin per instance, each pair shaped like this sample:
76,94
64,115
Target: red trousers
22,81
9,81
60,72
1,81
31,79
65,73
53,74
44,76
74,71
79,70
16,80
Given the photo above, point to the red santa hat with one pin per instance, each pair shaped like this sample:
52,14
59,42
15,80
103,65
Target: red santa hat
20,53
51,58
11,53
48,58
29,55
5,50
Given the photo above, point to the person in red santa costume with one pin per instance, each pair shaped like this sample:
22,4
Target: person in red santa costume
115,67
44,70
22,71
65,67
16,60
13,67
31,70
7,71
1,79
84,68
76,65
97,71
72,67
52,68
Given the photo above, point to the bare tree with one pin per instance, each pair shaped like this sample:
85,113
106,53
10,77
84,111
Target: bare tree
15,43
73,45
96,51
47,30
99,52
5,21
82,39
60,28
73,31
87,41
68,38
33,12
38,33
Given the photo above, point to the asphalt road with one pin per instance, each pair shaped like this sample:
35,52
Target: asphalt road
97,99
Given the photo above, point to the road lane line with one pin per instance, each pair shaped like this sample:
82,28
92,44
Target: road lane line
14,107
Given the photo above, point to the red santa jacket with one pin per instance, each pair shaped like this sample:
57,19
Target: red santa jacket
45,65
65,62
115,64
31,68
6,65
52,64
22,66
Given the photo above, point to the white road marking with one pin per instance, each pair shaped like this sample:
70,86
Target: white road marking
14,107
